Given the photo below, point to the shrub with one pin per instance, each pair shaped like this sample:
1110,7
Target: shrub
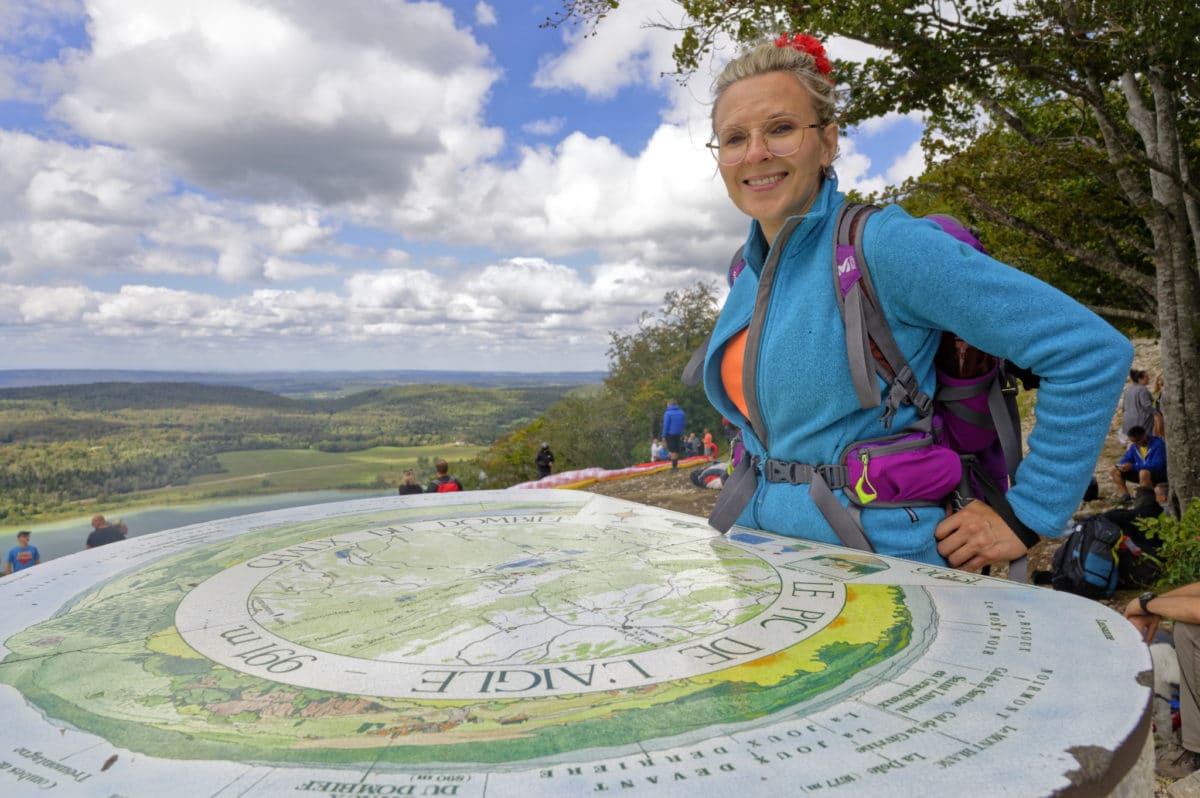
1179,548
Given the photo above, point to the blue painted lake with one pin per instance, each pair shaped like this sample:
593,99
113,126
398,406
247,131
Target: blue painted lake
58,538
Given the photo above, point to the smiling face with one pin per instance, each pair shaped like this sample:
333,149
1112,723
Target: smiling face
767,187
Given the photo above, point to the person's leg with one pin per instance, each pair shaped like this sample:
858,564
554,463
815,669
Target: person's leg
1187,651
1146,479
1118,478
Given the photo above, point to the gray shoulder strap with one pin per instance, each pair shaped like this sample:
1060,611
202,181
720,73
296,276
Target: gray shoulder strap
867,326
1006,418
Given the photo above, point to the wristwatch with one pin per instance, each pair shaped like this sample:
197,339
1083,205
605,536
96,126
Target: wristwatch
1145,599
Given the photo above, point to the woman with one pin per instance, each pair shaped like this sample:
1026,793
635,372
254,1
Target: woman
409,484
775,140
1137,406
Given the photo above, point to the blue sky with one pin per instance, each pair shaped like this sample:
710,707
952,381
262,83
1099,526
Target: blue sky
234,185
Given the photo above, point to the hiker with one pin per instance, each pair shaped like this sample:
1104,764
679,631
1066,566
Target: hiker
442,481
1182,605
1160,423
103,532
673,423
409,485
1162,495
710,447
22,555
780,371
1137,405
1144,463
544,460
658,451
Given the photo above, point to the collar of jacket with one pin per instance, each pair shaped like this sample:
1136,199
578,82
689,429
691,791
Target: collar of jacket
827,201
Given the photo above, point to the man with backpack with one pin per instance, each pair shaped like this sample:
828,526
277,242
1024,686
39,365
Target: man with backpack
443,482
1144,463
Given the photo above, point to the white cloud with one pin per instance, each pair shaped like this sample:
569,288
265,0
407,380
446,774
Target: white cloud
544,127
628,52
485,14
304,184
910,164
282,98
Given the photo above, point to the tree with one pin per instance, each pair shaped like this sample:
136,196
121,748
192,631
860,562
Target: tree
645,365
611,427
1130,67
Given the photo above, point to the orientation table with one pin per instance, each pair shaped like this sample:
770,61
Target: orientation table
549,642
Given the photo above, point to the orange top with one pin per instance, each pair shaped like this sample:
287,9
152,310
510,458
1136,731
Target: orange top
731,370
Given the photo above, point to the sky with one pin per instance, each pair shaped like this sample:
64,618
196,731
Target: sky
250,185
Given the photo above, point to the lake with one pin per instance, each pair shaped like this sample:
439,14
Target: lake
59,538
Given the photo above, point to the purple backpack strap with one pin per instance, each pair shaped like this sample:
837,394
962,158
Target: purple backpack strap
870,347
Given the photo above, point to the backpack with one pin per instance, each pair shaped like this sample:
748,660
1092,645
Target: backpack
449,486
1086,564
975,393
966,443
1138,564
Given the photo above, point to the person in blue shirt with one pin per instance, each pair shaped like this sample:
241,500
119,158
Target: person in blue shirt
1144,462
672,430
22,555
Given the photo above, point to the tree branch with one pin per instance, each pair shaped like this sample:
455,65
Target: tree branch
1144,283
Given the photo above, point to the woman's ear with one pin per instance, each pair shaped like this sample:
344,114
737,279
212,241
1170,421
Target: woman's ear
829,144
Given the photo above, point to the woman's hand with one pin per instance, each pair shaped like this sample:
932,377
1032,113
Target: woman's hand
976,536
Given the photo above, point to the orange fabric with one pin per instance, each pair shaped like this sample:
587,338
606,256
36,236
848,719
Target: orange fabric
731,370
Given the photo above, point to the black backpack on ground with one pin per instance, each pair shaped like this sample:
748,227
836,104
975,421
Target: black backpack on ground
1137,558
1086,564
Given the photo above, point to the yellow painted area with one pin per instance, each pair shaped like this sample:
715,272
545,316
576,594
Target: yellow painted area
869,612
170,643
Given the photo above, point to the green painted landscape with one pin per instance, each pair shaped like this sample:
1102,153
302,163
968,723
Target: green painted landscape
114,662
74,449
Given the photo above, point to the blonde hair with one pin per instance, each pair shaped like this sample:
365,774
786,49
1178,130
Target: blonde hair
765,58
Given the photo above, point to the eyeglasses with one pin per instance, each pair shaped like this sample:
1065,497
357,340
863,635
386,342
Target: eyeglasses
782,136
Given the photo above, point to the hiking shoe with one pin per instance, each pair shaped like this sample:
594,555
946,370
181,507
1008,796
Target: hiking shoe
1126,499
1177,764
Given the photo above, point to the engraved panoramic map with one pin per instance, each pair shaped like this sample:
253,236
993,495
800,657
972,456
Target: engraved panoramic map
542,642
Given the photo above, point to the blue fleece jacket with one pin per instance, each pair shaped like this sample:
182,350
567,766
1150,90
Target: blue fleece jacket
673,420
927,282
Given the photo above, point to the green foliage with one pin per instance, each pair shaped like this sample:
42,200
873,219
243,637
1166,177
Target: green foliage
1179,549
612,428
645,365
1101,258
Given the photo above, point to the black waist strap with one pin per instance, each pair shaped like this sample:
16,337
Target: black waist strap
835,476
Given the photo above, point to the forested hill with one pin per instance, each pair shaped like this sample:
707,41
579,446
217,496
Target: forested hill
147,395
69,442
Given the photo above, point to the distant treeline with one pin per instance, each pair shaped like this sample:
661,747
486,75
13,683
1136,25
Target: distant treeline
301,383
63,443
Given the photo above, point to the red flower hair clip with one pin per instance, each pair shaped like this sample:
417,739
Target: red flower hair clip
807,44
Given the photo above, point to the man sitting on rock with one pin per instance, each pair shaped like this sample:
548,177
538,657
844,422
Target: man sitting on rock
1144,463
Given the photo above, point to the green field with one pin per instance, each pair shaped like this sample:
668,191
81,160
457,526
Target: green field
306,469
